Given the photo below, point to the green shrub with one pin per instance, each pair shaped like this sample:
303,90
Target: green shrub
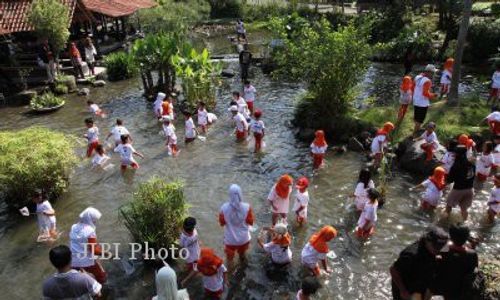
483,39
495,10
265,11
226,8
156,212
119,66
31,159
61,89
50,19
46,100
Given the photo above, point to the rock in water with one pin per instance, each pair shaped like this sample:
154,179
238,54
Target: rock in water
412,158
227,73
83,92
99,83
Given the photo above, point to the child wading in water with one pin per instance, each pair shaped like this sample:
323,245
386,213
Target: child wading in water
213,271
406,97
316,249
127,153
301,200
449,157
249,92
169,131
190,130
494,201
92,136
258,128
202,117
495,86
380,142
117,131
240,123
189,240
434,187
100,158
484,162
430,143
368,218
279,198
318,149
361,192
279,246
308,288
46,218
95,109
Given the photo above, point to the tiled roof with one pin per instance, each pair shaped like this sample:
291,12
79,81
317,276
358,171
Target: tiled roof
117,8
138,3
13,15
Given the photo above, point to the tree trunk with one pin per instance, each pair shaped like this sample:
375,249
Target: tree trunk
461,39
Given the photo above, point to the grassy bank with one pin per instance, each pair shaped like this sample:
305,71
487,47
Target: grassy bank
451,121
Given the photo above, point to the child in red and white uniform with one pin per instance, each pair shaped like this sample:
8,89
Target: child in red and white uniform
484,162
167,108
379,142
448,158
127,153
257,127
301,200
368,218
92,136
157,105
249,93
309,287
46,218
202,117
430,143
406,96
279,246
95,109
279,198
361,192
240,122
189,241
213,271
318,149
100,158
117,131
493,120
446,77
495,86
494,200
242,105
316,249
169,131
189,127
434,187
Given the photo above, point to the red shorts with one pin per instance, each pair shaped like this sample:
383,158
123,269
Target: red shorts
231,250
241,135
132,165
427,206
481,177
211,294
316,270
258,139
98,272
91,147
495,92
317,160
189,140
250,106
445,88
360,233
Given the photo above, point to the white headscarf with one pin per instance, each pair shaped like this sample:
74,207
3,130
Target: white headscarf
237,213
166,285
160,96
90,216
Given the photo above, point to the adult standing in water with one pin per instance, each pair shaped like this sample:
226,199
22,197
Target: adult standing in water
462,174
84,246
422,96
245,60
413,272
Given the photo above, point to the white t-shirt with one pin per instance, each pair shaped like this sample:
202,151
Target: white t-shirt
279,254
496,154
494,201
249,93
79,236
157,107
494,116
378,143
215,282
189,127
361,194
318,150
484,164
243,108
94,108
93,135
117,131
310,257
405,97
301,199
431,139
446,77
202,117
45,222
369,214
281,204
126,153
257,126
432,194
191,243
448,160
241,122
495,80
99,160
170,133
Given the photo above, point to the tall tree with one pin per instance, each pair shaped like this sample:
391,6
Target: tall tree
51,20
462,35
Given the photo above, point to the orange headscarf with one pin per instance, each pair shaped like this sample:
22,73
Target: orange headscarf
74,51
448,65
320,139
320,239
407,84
464,139
283,186
209,263
438,178
283,240
165,107
388,127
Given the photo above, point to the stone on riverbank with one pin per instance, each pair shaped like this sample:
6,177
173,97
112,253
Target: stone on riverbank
228,73
99,83
83,92
412,158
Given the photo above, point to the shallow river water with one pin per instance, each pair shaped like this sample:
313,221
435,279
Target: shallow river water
359,272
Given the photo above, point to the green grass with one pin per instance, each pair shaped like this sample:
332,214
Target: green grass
451,121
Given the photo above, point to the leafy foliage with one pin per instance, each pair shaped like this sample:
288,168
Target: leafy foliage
51,20
226,8
31,159
156,212
483,39
119,66
46,100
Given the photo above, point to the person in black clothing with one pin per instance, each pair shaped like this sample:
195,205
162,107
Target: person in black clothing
413,272
245,60
46,59
456,269
462,175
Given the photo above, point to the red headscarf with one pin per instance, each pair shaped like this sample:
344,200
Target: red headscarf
438,178
407,84
283,240
320,239
320,139
448,65
464,139
209,263
386,129
74,51
283,186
